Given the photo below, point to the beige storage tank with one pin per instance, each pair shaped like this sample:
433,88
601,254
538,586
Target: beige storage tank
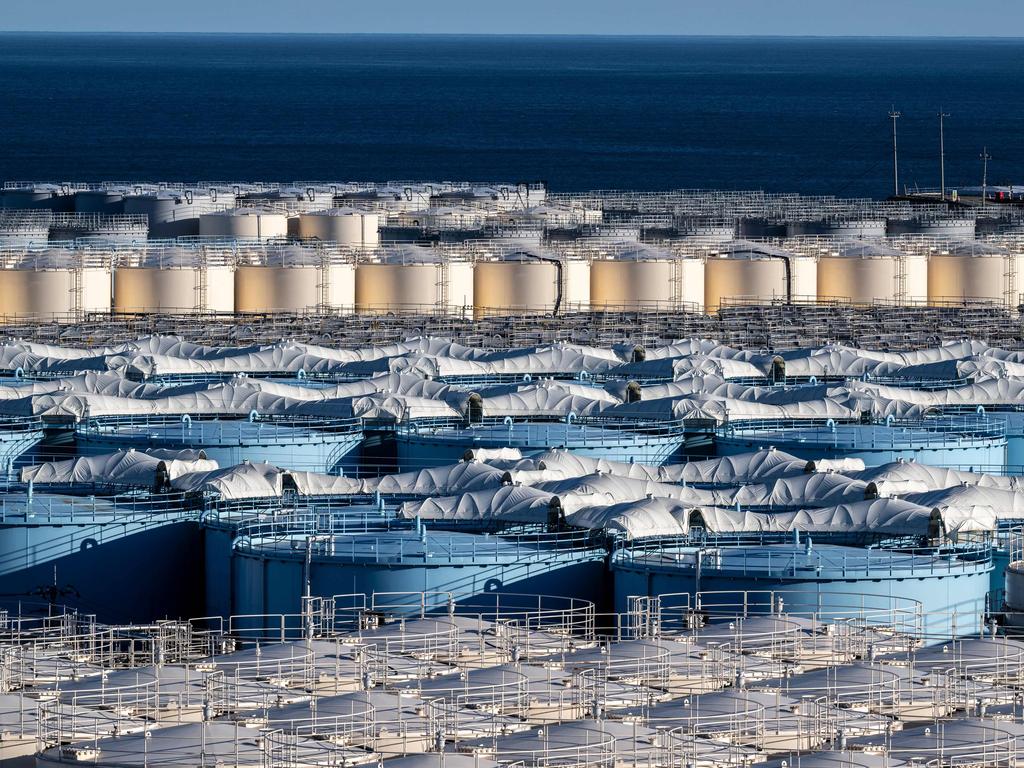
755,273
519,281
973,270
575,283
866,273
293,278
639,277
345,226
54,283
174,279
401,278
244,224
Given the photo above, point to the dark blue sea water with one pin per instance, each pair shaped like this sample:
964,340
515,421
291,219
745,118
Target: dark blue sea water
805,115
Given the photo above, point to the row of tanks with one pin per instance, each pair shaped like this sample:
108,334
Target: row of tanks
499,277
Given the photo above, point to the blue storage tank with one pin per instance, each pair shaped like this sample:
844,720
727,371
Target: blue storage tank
18,436
950,441
951,585
270,569
316,445
420,446
220,523
82,550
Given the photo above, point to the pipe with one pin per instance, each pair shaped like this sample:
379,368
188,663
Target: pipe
560,271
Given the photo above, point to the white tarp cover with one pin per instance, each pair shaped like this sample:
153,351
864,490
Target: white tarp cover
318,484
936,478
243,481
819,489
128,468
441,481
888,516
733,470
1007,504
514,503
636,519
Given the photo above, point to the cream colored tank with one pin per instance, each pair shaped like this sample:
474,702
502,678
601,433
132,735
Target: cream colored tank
749,279
861,279
260,288
459,298
514,287
45,293
632,284
398,287
980,277
244,224
341,286
181,289
915,267
576,285
341,225
804,274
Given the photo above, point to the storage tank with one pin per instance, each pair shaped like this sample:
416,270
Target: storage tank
869,272
20,228
757,273
961,229
705,231
290,200
54,197
115,228
54,283
314,444
941,441
92,541
108,200
838,228
347,226
174,279
974,270
521,280
822,578
293,278
754,228
244,224
176,213
269,564
411,278
644,277
640,442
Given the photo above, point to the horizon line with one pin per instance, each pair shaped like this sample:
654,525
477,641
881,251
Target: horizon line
614,35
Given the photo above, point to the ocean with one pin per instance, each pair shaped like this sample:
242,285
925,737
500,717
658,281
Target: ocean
781,114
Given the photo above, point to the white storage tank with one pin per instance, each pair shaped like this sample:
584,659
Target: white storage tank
407,278
290,200
705,231
974,270
21,228
346,226
174,279
176,213
869,272
519,280
107,228
757,273
644,277
53,197
244,224
54,283
932,226
840,228
293,278
100,200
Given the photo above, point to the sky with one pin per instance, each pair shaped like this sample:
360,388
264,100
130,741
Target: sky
903,18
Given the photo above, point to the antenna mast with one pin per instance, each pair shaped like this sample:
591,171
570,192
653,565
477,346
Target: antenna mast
942,153
985,157
894,115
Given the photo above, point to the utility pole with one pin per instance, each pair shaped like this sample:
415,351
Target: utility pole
985,157
942,154
894,115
